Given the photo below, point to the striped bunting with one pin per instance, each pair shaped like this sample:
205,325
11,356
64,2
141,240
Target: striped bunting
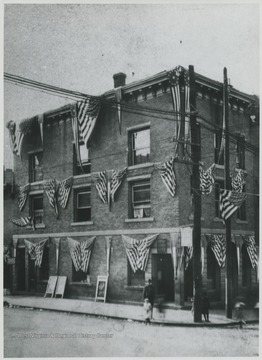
101,185
138,251
217,244
87,114
80,253
187,107
24,221
23,195
16,137
188,253
229,202
35,251
249,242
238,181
207,179
64,191
117,177
51,192
166,171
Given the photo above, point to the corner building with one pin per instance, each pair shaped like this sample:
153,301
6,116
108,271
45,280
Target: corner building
142,206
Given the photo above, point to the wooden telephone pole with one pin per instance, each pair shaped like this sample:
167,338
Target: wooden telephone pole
195,152
227,186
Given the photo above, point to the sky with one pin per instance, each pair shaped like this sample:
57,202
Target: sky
80,46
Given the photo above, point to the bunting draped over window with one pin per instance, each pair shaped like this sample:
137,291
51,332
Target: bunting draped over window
50,187
249,242
35,251
166,171
81,252
229,202
64,189
117,177
58,192
238,181
138,251
217,244
101,185
24,221
106,188
23,195
207,179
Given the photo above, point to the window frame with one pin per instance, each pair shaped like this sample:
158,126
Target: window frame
32,166
32,210
80,276
133,207
86,165
218,134
133,149
240,148
219,184
77,191
135,278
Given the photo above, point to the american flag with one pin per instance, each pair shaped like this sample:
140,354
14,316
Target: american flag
166,171
187,107
217,244
249,242
207,179
36,251
87,114
229,202
138,251
237,181
101,185
188,253
24,221
64,191
117,177
16,137
50,189
86,249
75,252
23,194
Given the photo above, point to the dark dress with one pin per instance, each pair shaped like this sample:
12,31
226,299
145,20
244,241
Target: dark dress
205,307
149,293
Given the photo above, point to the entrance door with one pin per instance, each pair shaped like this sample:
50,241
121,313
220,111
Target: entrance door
31,275
20,269
163,276
189,281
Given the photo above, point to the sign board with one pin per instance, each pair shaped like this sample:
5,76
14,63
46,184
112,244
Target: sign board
101,288
161,246
60,286
10,261
50,289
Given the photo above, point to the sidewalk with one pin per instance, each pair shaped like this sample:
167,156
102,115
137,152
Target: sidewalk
169,316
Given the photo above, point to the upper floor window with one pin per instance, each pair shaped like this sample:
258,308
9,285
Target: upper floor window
82,199
139,141
86,164
219,149
35,167
141,203
241,152
241,211
219,184
36,208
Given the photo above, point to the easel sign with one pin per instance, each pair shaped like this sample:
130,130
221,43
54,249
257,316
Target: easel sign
60,286
50,289
101,288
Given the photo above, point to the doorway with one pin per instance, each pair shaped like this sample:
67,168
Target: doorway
163,276
189,281
20,269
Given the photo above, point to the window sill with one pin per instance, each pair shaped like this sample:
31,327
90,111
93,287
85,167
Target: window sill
238,221
149,219
82,223
191,217
38,226
216,219
145,165
80,283
133,287
81,176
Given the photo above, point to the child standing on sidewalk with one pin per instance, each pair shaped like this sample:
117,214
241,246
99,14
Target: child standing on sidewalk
147,309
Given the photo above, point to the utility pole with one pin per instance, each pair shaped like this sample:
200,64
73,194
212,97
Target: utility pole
195,153
227,186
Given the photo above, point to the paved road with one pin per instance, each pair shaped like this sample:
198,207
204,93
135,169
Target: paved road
34,333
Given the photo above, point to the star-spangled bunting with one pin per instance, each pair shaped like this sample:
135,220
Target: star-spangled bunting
35,251
207,179
80,253
101,185
229,202
238,181
188,253
117,177
166,171
138,251
23,195
51,192
106,192
249,242
24,221
217,244
64,191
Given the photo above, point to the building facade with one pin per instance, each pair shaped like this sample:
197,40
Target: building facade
137,135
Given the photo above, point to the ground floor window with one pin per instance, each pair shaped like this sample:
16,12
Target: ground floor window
213,271
79,276
246,267
135,278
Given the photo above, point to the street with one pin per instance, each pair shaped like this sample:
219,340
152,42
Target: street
35,333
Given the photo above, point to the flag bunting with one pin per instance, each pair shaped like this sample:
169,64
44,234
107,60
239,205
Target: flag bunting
51,192
166,171
101,186
138,251
229,202
207,179
188,254
80,253
249,242
35,251
187,107
238,181
117,177
24,221
217,244
64,191
23,195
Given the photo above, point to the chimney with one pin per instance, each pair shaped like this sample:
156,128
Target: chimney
119,79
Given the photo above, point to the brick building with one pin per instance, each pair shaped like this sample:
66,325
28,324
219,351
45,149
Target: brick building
142,205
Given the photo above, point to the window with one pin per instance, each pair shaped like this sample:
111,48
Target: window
79,276
219,155
44,268
82,198
36,210
141,204
241,211
139,146
35,167
241,152
246,267
213,271
135,278
219,184
86,164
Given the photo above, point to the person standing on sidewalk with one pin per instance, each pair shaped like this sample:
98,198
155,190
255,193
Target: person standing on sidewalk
149,293
205,307
148,310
